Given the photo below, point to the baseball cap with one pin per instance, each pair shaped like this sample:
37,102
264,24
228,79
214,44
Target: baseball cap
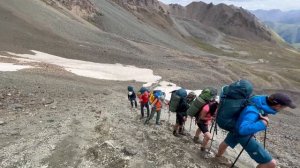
282,99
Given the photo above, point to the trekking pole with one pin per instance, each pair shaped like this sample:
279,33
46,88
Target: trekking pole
237,158
212,138
265,138
212,125
191,124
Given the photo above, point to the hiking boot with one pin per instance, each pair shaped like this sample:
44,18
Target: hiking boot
203,149
197,140
183,133
175,133
158,123
142,117
222,160
146,122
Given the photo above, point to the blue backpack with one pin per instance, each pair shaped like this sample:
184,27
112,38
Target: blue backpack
158,94
233,99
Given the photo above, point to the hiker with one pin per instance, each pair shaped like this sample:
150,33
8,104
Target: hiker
181,117
203,120
132,96
144,101
156,106
196,105
253,119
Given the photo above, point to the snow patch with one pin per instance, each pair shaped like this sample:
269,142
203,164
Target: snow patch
12,67
116,72
168,87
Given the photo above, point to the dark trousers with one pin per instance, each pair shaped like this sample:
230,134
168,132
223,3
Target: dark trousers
133,101
142,109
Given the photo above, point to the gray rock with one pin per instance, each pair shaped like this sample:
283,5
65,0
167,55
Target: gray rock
47,101
15,133
18,106
50,121
106,92
129,151
2,122
53,107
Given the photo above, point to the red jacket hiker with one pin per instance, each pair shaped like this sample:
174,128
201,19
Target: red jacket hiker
144,98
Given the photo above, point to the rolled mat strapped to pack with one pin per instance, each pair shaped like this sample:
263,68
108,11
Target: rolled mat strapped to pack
196,105
175,99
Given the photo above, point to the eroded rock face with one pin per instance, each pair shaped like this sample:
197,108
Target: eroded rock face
82,8
231,20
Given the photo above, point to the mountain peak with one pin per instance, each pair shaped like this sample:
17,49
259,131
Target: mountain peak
229,19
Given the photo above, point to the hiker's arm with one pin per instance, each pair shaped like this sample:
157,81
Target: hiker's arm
251,124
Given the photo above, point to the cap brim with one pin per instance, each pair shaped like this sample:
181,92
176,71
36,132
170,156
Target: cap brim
292,106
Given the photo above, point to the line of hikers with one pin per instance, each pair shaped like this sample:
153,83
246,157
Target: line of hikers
238,111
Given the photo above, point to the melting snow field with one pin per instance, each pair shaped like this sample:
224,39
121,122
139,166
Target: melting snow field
12,67
116,72
95,70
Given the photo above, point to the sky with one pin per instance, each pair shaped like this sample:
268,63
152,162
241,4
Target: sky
284,5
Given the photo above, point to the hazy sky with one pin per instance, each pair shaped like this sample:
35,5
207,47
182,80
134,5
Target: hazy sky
249,4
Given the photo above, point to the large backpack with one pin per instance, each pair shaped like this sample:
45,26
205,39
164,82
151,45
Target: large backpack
191,97
205,97
156,94
175,99
233,99
130,88
143,90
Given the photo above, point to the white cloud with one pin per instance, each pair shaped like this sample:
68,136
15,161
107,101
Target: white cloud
249,4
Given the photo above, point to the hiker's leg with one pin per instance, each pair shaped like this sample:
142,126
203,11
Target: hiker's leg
135,103
131,103
257,152
158,117
222,148
198,132
151,115
142,110
207,137
271,164
196,137
147,106
153,110
230,140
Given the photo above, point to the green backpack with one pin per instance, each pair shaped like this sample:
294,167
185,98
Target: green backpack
176,96
206,96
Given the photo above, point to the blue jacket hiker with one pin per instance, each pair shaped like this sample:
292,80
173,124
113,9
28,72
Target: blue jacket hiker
253,119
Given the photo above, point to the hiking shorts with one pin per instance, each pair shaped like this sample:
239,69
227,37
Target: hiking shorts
255,149
203,127
179,119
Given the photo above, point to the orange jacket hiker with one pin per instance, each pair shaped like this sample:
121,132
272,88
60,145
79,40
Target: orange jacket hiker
157,104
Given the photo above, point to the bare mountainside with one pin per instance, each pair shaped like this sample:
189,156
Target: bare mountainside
51,117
